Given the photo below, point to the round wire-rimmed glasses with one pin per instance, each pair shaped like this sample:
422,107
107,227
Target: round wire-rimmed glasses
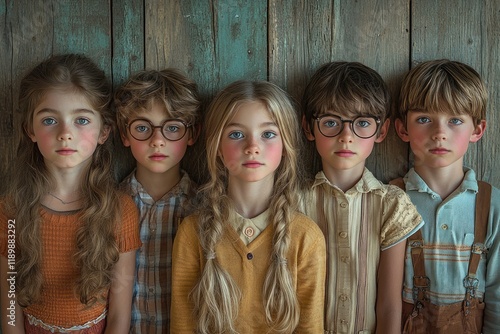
362,126
172,129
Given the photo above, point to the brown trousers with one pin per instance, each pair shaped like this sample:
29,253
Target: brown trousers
455,318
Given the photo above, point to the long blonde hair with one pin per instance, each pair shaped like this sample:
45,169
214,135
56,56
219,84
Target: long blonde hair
97,249
216,296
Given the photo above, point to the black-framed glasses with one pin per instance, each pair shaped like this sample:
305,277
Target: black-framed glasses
362,126
172,129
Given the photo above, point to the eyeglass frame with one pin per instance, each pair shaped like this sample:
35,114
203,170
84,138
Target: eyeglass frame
154,127
351,121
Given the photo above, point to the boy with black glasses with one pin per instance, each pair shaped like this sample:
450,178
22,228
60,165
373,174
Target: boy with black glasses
365,222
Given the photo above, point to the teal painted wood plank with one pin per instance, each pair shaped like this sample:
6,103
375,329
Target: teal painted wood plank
84,27
128,38
214,42
241,40
128,58
210,41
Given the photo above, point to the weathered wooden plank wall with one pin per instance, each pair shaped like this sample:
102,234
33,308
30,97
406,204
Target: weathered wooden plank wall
284,41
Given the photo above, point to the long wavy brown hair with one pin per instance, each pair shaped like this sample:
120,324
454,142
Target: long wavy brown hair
216,296
97,249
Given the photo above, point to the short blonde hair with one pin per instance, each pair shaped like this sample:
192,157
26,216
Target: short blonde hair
443,85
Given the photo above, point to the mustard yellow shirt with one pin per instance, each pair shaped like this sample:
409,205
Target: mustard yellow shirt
248,265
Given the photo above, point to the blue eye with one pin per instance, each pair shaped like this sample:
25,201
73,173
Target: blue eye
172,128
362,123
141,128
269,134
456,121
423,120
236,135
82,121
330,123
49,121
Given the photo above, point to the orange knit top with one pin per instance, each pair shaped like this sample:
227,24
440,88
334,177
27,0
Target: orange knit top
59,305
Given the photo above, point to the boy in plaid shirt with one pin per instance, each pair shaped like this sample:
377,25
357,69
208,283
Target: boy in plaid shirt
157,113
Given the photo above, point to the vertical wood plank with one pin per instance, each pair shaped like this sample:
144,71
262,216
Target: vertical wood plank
128,39
489,169
128,58
375,33
84,27
35,29
26,39
213,42
465,31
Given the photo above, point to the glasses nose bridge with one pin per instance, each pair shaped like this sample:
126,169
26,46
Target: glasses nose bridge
351,124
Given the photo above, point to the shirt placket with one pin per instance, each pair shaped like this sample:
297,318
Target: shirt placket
344,272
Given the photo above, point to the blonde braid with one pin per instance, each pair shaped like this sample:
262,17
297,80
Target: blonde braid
216,296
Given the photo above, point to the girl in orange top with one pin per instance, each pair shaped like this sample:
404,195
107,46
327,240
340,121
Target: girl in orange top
249,262
67,237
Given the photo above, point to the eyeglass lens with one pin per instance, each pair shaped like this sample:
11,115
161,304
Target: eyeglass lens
362,126
172,130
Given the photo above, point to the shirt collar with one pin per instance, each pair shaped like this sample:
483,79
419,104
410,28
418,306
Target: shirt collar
366,184
260,221
414,182
136,189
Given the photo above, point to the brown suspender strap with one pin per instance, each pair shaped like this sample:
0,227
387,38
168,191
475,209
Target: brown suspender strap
483,199
420,280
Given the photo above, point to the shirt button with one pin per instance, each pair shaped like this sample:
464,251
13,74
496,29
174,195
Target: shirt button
343,235
344,259
249,232
343,205
444,227
343,298
151,290
249,256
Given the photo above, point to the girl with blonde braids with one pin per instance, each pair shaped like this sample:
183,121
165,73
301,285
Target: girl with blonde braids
67,237
248,262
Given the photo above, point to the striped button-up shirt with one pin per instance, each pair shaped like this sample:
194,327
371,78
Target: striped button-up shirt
158,224
358,225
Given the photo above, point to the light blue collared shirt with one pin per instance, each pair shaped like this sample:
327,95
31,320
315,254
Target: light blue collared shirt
448,235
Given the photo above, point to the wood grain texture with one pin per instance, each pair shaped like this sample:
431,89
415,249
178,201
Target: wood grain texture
306,35
465,31
128,58
216,42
